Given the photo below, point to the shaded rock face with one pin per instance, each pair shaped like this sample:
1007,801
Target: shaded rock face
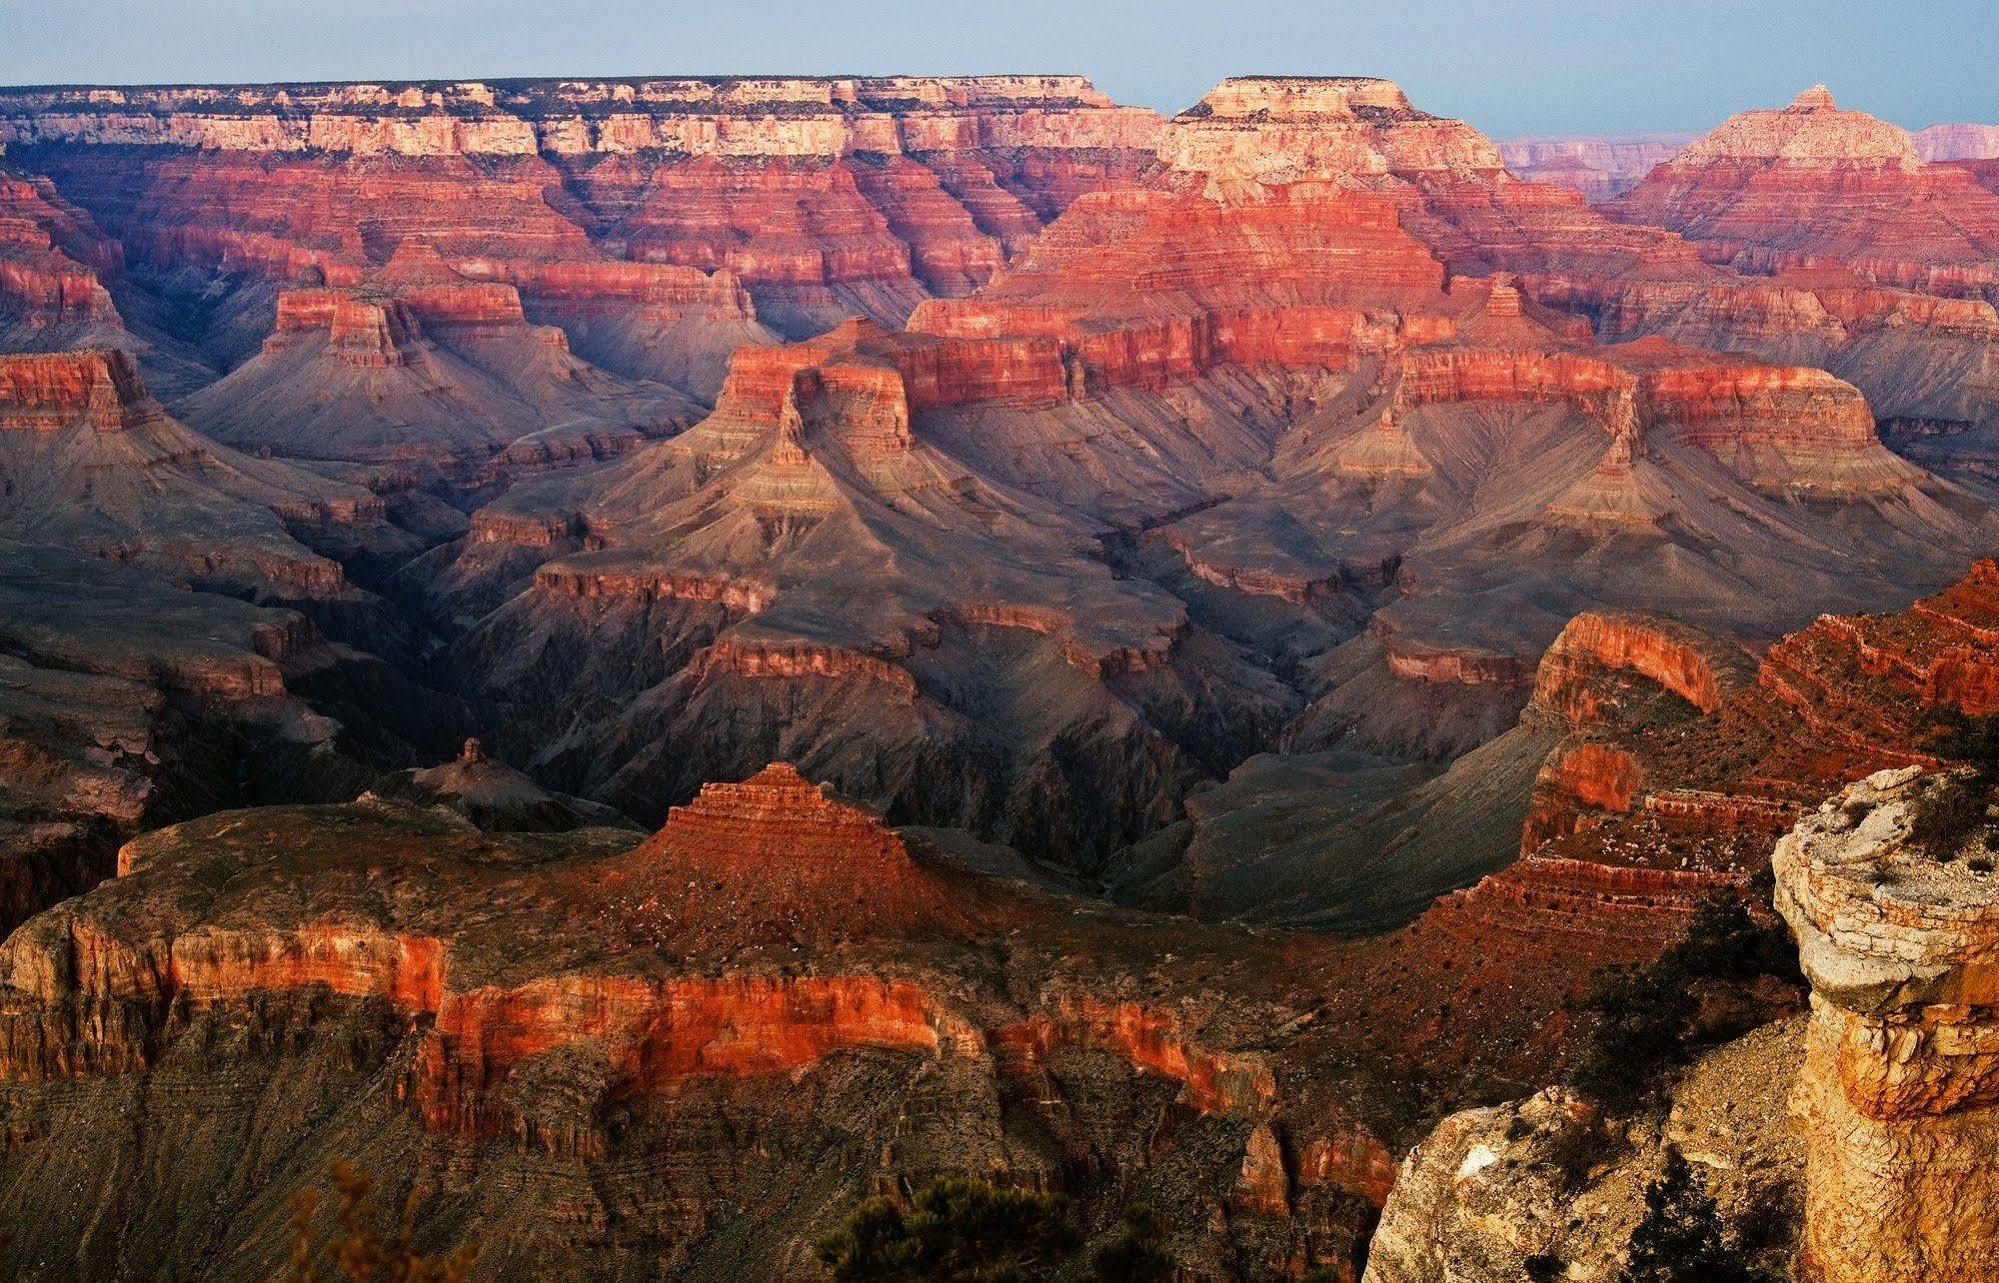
808,573
1896,1096
129,703
422,367
501,1016
90,461
1635,806
494,796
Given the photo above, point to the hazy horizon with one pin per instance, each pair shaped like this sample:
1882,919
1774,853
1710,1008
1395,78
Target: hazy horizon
1536,66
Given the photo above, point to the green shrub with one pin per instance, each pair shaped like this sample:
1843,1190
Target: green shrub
359,1251
1640,1019
1947,815
1138,1254
1680,1238
955,1231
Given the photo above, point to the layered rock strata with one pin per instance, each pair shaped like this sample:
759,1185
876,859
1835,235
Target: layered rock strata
1897,1090
423,367
496,1006
1812,185
820,197
807,572
91,462
1597,166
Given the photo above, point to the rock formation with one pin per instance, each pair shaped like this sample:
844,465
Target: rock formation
1957,142
821,197
1546,1187
491,1005
1896,1092
89,461
805,574
423,367
127,703
1812,185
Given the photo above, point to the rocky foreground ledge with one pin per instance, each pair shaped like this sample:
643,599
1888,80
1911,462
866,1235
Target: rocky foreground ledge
1867,1133
1900,939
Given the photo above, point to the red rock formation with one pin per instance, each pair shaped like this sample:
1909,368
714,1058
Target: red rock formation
500,1002
51,265
1651,800
423,366
822,197
1812,185
775,859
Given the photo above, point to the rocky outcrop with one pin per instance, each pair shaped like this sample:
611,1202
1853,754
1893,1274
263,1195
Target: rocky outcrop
1545,1187
775,859
51,264
809,547
820,197
91,462
1897,1091
504,1002
493,795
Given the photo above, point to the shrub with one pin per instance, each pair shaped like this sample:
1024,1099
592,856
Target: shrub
1138,1254
1724,941
1679,1239
955,1231
1641,1018
360,1252
1946,816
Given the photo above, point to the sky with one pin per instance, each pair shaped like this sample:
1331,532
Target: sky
1511,68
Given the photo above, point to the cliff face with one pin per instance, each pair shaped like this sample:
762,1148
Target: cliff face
91,462
496,1004
1957,142
1896,1092
821,198
1494,1194
129,703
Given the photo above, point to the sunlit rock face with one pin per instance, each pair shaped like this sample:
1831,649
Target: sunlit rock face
1813,185
676,213
503,1010
1957,142
1900,1081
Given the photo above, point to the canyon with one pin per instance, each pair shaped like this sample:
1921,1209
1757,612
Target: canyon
646,659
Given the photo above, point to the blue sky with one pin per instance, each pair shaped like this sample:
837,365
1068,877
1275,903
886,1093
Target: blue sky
1510,68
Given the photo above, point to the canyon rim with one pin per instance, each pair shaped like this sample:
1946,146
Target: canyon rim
796,677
